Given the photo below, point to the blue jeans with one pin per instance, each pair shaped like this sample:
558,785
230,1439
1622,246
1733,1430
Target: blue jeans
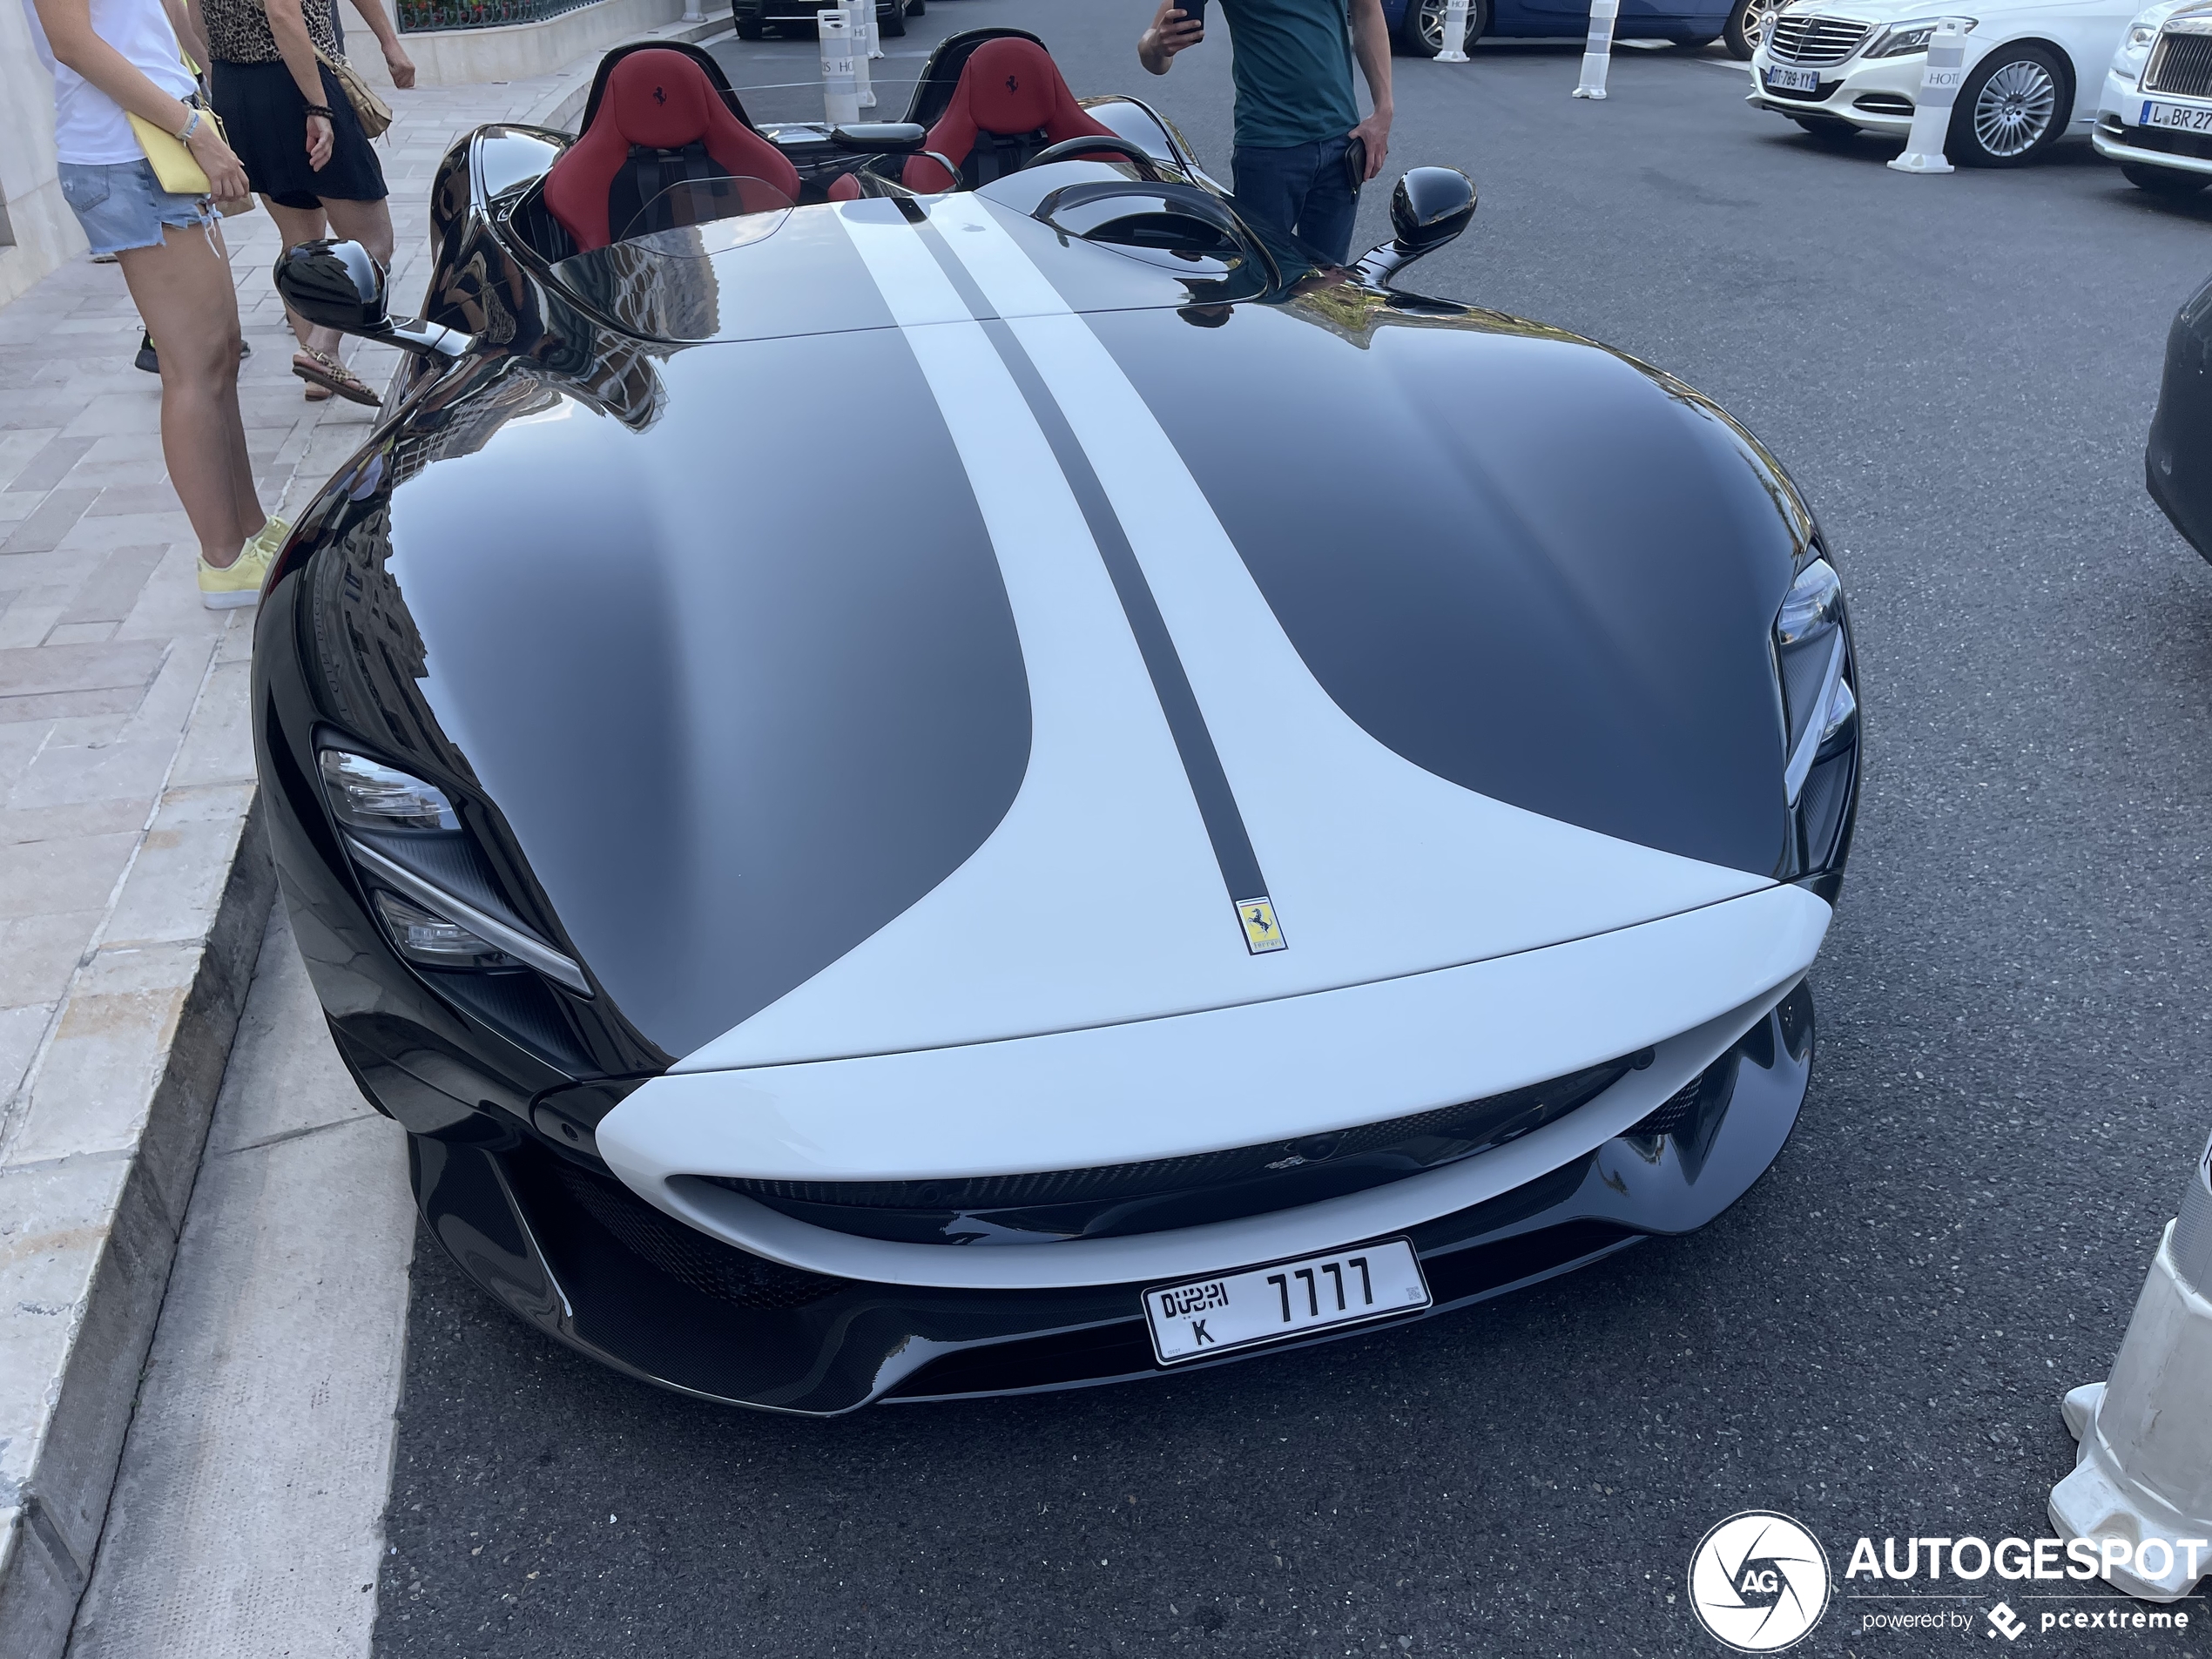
1301,190
122,206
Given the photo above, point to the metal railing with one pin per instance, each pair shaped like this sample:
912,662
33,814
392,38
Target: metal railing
417,17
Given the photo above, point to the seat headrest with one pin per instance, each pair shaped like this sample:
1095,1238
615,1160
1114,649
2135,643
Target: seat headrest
661,100
1014,86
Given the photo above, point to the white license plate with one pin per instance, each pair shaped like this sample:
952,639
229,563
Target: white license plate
2181,116
1794,80
1241,1309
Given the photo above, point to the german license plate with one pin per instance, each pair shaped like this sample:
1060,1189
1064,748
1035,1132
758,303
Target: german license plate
1259,1304
1793,80
2179,116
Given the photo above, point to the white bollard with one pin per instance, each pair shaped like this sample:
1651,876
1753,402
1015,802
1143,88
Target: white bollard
841,92
1597,52
875,37
2143,1477
1939,79
1455,33
860,17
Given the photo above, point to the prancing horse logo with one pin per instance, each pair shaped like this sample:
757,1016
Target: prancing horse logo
1261,932
660,95
1012,84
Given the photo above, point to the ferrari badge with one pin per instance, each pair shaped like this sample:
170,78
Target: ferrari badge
1262,933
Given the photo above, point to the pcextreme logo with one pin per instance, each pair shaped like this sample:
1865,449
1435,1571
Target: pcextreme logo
1758,1581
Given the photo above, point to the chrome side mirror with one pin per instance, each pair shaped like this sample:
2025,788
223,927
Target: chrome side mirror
336,285
1430,206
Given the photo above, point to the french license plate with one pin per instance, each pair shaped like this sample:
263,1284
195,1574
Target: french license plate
2179,116
1242,1310
1793,80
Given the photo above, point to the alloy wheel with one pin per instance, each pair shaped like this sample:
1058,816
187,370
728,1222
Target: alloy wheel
2014,108
1432,23
1758,18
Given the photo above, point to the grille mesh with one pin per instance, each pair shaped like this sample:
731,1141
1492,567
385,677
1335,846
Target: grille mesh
690,1257
1181,1192
1803,39
2180,64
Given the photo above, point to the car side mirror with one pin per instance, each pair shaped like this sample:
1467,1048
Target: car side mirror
881,138
1430,206
336,285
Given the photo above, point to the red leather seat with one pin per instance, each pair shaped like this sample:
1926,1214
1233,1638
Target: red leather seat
660,122
1010,104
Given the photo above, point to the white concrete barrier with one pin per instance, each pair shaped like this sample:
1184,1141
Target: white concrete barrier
1455,33
1939,79
860,18
841,87
1597,52
2144,1470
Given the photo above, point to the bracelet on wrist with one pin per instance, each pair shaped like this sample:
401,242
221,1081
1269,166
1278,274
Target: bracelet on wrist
184,135
323,109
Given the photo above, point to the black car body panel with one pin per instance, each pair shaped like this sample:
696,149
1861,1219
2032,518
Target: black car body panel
2175,469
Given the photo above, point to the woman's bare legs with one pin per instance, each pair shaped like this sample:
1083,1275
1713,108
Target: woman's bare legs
184,294
298,225
368,223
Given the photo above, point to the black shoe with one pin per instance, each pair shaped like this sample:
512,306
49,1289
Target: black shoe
246,348
147,359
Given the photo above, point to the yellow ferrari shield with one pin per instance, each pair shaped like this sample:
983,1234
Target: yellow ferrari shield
1261,932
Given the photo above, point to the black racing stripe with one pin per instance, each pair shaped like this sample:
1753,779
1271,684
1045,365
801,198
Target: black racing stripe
1224,821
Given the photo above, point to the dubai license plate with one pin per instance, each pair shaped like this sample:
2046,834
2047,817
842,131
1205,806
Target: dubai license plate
1260,1304
1793,80
2179,116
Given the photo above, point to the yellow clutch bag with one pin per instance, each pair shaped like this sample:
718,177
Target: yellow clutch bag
172,164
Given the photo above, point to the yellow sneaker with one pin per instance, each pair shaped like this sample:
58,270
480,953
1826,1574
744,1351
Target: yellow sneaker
240,581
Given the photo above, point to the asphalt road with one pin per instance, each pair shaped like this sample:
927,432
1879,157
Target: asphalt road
1959,372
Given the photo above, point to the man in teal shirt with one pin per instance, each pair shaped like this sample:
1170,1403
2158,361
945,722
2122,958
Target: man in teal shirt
1291,61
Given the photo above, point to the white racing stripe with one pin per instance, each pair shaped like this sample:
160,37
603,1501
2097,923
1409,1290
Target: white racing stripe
1376,867
1098,897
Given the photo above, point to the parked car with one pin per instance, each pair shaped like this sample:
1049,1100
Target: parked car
1837,70
755,18
1417,26
2178,462
888,833
2156,118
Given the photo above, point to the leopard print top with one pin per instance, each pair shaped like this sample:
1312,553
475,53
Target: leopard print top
237,30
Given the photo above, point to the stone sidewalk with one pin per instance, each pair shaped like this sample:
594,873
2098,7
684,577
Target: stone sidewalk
133,883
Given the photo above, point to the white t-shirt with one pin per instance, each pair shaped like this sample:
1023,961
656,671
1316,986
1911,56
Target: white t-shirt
89,125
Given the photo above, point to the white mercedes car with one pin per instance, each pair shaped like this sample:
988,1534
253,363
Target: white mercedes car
2155,119
2032,71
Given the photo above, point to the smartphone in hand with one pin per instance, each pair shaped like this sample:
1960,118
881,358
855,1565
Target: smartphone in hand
1194,11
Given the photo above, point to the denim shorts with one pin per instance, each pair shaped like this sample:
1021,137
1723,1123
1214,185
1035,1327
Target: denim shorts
122,206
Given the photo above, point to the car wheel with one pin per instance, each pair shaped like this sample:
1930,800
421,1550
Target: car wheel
1826,130
1420,31
1745,29
2163,181
892,24
2012,109
750,28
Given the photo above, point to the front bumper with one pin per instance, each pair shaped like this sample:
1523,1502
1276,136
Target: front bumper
1874,94
2118,139
590,1263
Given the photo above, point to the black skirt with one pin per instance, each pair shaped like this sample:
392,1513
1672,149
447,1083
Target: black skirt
266,120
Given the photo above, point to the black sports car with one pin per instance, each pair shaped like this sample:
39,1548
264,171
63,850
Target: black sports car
2181,432
923,763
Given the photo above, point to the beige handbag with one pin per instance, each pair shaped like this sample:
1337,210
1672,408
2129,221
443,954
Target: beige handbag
374,114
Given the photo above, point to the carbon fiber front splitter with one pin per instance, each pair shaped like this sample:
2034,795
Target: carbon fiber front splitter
560,1253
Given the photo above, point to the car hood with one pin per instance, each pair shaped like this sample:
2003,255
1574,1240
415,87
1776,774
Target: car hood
968,678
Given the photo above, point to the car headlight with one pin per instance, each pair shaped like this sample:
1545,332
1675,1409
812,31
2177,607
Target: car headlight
2135,46
1903,39
367,794
1811,654
424,936
437,899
